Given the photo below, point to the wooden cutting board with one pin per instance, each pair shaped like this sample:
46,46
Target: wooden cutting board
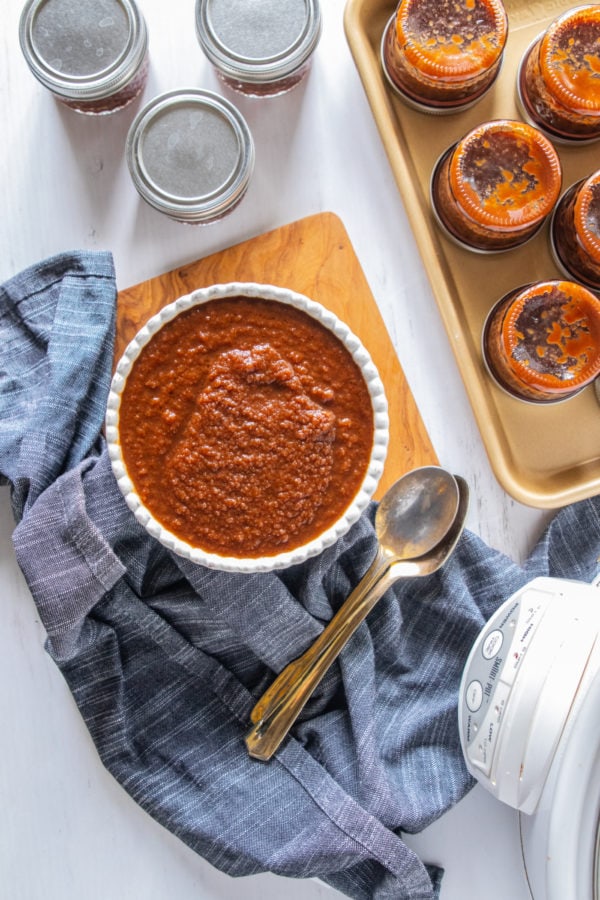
313,256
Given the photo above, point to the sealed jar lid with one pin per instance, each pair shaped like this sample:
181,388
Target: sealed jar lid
505,174
190,154
551,335
87,50
451,42
587,215
570,59
261,41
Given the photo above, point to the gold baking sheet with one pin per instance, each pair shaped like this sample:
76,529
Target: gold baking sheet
543,456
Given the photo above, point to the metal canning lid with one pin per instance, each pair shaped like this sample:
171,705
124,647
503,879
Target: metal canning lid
190,154
570,59
84,51
551,335
505,174
448,42
261,41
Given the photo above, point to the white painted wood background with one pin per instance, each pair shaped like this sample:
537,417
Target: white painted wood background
67,830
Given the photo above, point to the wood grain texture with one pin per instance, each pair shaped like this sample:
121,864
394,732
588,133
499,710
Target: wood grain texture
313,256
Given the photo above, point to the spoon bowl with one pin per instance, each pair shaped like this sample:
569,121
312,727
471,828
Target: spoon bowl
416,512
433,560
418,524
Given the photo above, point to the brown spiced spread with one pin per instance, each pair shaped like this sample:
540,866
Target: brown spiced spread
246,427
575,232
503,176
593,210
450,37
494,188
558,79
542,342
554,336
572,62
445,52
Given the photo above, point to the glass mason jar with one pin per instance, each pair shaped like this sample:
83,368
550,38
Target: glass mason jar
93,56
494,188
575,232
557,83
190,155
541,342
440,56
262,48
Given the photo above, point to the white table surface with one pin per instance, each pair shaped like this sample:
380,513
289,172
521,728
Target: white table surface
67,830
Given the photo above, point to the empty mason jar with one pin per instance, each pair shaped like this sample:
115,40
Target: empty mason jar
190,155
260,48
92,55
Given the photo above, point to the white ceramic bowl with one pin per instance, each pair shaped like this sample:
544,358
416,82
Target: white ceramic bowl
378,451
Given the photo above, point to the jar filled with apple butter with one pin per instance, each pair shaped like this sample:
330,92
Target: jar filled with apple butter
495,187
541,342
558,82
442,56
575,232
92,57
261,48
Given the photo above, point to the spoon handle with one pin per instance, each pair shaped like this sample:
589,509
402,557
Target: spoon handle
280,705
278,689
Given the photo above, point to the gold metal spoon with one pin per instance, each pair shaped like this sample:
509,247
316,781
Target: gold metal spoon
418,523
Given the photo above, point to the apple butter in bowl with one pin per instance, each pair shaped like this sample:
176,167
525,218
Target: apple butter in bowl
247,427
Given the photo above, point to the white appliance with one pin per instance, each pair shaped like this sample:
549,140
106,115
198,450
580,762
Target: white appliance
529,721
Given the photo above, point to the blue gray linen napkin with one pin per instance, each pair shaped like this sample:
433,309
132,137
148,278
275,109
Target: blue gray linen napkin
165,659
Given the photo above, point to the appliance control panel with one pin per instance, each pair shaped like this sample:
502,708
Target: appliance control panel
491,672
520,682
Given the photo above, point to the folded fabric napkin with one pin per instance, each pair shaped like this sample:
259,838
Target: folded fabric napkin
166,659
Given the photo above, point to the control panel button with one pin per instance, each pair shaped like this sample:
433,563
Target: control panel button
474,695
492,644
